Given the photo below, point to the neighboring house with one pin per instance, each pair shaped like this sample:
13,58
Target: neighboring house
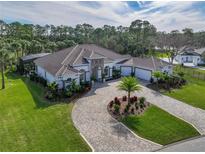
86,61
190,55
26,62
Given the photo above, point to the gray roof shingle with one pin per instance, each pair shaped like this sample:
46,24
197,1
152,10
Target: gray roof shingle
149,63
78,54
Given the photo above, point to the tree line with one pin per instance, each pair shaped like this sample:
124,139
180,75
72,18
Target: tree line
139,39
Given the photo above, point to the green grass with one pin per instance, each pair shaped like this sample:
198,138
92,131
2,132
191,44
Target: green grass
29,123
160,126
193,93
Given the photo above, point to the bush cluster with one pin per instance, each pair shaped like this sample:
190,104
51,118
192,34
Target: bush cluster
34,77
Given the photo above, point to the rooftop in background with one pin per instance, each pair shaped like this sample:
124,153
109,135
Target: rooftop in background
33,56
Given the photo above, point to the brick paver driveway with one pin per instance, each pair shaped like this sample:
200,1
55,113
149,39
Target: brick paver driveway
104,133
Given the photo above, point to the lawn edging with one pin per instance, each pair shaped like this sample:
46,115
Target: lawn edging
139,136
93,150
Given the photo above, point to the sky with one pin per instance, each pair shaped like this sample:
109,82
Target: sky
165,15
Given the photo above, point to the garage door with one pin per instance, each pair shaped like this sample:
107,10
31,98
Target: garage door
143,74
126,71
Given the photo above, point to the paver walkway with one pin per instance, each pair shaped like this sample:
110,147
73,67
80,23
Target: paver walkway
104,133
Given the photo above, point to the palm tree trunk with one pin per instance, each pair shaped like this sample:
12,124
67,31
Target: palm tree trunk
2,73
128,97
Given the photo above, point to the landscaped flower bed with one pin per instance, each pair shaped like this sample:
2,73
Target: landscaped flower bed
119,107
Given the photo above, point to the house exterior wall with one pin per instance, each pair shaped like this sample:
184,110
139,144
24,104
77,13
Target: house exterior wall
110,66
66,80
188,59
46,75
86,68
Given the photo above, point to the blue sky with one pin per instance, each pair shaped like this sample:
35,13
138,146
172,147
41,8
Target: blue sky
165,15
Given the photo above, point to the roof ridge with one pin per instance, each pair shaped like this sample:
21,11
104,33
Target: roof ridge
79,55
59,70
69,55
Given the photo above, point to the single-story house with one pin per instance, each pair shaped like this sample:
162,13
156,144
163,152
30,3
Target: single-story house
190,55
86,61
26,62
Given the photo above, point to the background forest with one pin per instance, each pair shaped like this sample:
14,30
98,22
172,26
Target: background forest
139,39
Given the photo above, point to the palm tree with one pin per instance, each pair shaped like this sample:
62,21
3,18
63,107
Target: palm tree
157,75
4,55
129,84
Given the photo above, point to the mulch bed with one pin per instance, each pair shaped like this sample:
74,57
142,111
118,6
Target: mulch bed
135,107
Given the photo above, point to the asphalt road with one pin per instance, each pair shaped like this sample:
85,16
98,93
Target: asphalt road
190,145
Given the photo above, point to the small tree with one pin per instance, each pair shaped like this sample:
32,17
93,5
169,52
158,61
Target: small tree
157,75
129,84
181,74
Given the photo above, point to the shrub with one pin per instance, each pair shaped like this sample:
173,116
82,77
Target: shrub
127,108
116,109
136,106
133,111
124,98
116,74
49,95
181,74
53,88
111,104
135,98
142,100
69,93
117,101
132,100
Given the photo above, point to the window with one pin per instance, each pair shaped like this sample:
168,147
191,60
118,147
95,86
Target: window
68,80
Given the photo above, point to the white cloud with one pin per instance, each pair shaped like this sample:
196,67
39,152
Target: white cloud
165,15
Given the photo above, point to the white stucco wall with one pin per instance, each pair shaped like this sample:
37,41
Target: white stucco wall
86,68
46,75
193,59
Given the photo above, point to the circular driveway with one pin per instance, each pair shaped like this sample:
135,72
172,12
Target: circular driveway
104,133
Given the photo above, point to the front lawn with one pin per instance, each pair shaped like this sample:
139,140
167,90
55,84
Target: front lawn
192,93
29,123
159,126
